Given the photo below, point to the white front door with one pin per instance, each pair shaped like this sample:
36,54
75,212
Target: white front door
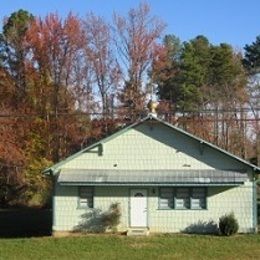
138,208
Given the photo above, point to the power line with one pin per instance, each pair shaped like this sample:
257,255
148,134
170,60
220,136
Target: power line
176,112
179,119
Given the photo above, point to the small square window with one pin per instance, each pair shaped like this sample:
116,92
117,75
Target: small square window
166,198
198,198
182,199
85,197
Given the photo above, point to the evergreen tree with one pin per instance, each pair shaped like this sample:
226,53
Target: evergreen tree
165,69
182,71
226,74
13,50
251,62
195,60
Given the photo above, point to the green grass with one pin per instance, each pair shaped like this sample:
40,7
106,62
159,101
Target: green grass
122,247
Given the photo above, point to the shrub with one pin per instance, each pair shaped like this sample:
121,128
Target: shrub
228,225
96,221
111,218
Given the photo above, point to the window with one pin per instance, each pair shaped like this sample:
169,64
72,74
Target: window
166,198
182,198
139,194
85,197
198,198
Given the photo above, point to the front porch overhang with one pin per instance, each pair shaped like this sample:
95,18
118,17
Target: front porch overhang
160,177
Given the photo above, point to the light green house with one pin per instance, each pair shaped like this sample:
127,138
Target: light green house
165,179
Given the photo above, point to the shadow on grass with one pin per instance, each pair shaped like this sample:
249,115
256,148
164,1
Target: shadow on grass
16,223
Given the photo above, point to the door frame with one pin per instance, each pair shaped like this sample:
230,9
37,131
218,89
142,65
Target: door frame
129,207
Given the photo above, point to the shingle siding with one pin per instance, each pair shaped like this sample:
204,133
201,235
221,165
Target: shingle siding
157,148
220,200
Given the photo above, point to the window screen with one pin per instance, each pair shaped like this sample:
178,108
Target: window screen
86,197
182,198
166,198
198,198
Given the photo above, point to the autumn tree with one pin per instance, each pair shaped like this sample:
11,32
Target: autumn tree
13,90
104,67
55,45
135,38
11,153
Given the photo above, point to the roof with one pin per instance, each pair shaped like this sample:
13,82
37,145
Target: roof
155,177
55,167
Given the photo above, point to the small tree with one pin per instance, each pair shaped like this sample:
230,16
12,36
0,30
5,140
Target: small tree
135,37
228,224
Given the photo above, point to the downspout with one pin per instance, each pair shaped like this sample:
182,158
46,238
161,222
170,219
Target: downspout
53,200
53,207
255,181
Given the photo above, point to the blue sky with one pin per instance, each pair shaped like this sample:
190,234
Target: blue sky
233,21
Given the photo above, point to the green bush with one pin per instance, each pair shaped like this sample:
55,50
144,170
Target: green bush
228,225
96,221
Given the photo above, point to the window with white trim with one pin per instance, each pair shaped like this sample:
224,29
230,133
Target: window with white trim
183,198
85,197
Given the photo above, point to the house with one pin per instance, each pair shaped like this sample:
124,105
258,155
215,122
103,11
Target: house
165,179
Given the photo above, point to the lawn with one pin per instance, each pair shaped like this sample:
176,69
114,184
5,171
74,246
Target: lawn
122,247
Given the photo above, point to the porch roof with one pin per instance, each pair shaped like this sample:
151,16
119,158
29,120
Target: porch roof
105,177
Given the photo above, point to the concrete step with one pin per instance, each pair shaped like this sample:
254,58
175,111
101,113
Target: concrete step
138,232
